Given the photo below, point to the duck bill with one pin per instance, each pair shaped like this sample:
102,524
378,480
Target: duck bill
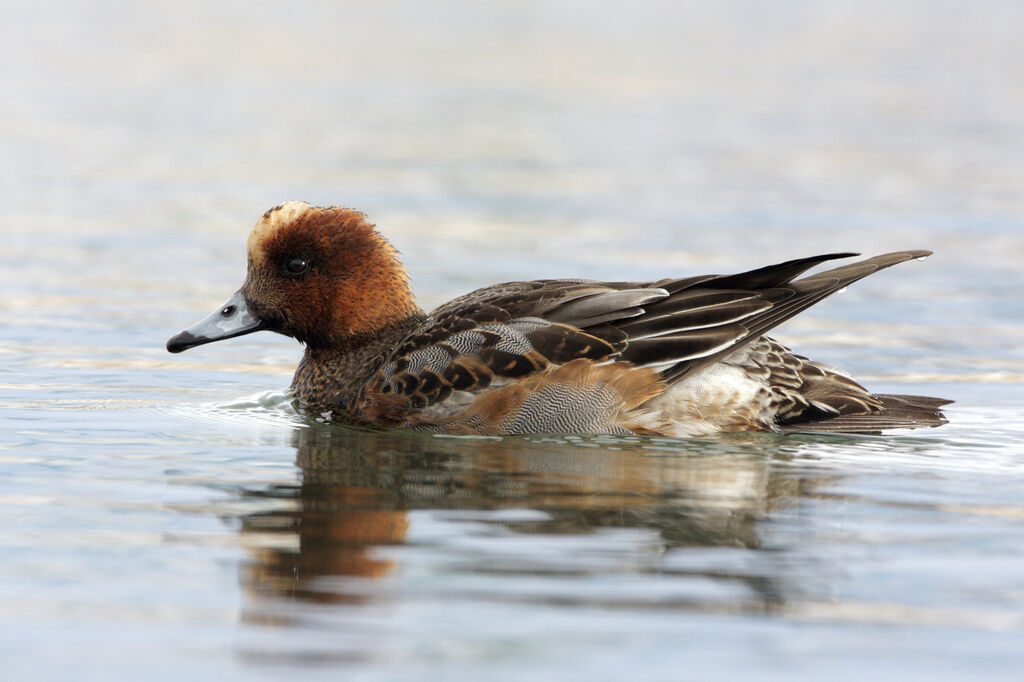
234,318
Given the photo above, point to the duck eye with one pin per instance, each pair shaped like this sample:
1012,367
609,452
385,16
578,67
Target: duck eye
296,266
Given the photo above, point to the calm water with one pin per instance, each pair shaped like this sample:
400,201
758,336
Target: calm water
167,517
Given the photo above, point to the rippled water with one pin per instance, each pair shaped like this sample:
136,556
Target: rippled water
172,516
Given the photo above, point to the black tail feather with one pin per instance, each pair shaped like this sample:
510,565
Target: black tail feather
898,412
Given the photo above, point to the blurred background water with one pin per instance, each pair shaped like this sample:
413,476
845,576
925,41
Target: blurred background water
164,517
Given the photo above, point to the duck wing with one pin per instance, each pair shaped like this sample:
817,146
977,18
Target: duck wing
677,326
509,331
679,333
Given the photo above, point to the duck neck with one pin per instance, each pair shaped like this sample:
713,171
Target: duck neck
329,377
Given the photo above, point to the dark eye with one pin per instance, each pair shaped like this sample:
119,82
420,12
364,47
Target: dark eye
296,266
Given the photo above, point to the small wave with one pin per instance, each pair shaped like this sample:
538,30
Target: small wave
265,408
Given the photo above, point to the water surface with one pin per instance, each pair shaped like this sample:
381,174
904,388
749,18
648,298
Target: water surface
173,516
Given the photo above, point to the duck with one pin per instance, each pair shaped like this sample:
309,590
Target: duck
679,357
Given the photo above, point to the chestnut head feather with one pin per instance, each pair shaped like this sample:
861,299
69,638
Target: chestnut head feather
323,275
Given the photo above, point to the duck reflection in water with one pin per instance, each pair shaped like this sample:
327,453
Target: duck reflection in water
361,490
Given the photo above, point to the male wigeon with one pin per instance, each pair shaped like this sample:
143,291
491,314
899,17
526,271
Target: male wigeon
678,357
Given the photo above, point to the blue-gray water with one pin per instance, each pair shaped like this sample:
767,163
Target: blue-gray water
168,517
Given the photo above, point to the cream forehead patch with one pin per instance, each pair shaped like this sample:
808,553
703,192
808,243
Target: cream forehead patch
272,221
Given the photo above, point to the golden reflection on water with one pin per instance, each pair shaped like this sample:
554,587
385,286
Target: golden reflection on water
358,489
749,524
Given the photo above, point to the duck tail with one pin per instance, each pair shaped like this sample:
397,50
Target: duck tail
897,412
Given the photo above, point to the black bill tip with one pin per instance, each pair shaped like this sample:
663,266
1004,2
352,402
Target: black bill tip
184,341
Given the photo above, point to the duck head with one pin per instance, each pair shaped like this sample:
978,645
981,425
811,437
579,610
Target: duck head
321,275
